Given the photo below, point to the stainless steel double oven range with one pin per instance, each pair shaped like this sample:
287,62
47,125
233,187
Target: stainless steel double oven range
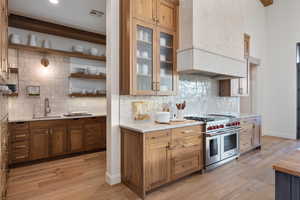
222,138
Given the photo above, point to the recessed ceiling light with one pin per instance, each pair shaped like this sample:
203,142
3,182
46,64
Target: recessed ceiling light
54,1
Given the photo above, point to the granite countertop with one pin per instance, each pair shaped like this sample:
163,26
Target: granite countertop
150,126
290,164
28,119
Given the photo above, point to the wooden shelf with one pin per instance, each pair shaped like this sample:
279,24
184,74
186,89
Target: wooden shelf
56,52
13,70
87,76
166,47
11,95
86,95
145,42
166,62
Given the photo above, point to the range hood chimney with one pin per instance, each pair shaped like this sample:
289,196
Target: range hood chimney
211,39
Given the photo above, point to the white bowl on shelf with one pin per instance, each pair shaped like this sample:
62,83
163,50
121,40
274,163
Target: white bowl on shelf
78,49
94,51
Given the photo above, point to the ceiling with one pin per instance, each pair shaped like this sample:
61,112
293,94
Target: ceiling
74,13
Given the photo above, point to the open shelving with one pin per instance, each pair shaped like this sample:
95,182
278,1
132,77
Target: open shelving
87,76
86,95
56,52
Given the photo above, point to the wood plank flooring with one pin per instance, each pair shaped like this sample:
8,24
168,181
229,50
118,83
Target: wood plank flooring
83,178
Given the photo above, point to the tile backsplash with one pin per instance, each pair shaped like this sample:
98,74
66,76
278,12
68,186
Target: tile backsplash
200,93
54,84
3,107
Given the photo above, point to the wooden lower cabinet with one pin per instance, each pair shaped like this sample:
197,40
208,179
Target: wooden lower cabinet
76,139
31,141
95,134
250,135
58,141
157,159
150,160
39,143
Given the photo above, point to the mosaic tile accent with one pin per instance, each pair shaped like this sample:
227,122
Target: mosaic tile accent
200,93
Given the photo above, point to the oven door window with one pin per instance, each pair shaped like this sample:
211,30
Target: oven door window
213,147
230,142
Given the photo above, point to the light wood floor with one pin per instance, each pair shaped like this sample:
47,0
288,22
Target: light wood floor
83,178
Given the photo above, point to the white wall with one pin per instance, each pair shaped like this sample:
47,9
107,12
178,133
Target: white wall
255,25
280,74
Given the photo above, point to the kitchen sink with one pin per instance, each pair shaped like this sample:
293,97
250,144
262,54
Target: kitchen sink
48,117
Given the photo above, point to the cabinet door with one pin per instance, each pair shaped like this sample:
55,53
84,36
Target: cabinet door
246,137
144,71
145,10
166,62
157,159
166,12
256,135
93,136
76,138
4,37
58,141
39,143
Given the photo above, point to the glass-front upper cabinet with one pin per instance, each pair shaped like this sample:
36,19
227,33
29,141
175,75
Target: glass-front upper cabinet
148,47
144,54
167,54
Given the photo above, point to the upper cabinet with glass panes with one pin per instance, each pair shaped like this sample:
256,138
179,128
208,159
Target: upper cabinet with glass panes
149,43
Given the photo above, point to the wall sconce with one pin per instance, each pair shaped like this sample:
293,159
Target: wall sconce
45,62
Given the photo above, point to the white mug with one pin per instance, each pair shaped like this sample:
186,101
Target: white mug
146,35
145,69
46,44
145,54
141,34
163,58
32,40
15,39
94,51
163,42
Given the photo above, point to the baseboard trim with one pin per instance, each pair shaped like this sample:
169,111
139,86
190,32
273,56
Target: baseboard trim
112,179
286,135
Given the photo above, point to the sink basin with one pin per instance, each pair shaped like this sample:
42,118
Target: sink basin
48,117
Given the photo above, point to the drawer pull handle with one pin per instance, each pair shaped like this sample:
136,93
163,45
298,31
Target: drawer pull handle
20,136
187,131
20,147
171,147
187,145
20,157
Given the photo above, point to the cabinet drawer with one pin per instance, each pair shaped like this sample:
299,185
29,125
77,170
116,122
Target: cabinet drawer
19,156
19,136
47,124
96,120
187,131
76,122
178,151
19,126
186,164
187,142
158,137
23,145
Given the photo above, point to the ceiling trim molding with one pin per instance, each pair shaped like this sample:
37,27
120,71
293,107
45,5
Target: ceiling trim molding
18,21
266,2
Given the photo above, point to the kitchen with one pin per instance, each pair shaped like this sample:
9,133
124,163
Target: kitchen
188,108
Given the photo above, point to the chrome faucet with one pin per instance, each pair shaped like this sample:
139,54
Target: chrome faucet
47,107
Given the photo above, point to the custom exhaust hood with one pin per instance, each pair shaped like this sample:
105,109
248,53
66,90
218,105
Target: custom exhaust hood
211,39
